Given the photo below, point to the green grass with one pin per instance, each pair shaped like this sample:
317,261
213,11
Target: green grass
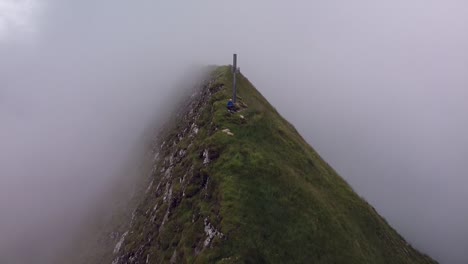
270,194
280,202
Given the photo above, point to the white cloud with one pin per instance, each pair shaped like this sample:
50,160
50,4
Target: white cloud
17,15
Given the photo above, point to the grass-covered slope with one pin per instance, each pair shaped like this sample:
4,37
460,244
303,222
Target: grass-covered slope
261,195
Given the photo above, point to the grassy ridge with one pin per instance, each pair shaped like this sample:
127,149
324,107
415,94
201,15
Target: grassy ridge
265,194
280,202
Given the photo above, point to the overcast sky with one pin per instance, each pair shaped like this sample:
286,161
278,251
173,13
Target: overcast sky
379,88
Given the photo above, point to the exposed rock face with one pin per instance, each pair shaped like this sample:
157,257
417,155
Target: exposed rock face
158,232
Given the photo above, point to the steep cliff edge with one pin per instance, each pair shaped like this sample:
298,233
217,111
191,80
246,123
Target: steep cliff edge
246,188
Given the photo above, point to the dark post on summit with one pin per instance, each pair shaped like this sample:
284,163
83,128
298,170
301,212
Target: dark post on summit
234,81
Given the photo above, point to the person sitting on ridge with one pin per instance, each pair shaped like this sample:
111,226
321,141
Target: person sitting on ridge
230,106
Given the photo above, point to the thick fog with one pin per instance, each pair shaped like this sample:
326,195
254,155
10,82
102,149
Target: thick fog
378,88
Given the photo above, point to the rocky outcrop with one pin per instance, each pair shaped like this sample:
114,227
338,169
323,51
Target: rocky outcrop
179,189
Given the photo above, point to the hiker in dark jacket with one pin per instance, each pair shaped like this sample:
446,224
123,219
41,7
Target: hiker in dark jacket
230,106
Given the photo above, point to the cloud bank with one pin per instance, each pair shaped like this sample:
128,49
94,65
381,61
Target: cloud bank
378,88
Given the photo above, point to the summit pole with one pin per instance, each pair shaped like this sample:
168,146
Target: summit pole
234,81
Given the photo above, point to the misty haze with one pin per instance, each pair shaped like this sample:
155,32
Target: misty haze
379,89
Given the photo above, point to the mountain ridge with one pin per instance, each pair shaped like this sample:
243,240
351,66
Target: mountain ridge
247,188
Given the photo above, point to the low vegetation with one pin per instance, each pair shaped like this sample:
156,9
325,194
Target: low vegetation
245,187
